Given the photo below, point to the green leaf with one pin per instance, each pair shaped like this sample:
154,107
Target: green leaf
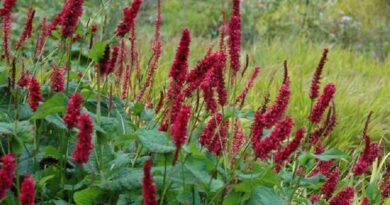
97,51
373,193
55,104
264,196
138,108
155,141
56,120
87,196
126,179
331,154
232,198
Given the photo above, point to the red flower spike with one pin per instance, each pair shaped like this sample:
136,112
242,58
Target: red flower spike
238,140
7,174
275,113
197,75
315,83
236,8
235,43
322,103
249,85
314,198
211,138
42,37
34,93
27,28
6,34
121,61
285,153
7,7
257,129
208,92
24,80
344,197
330,184
323,168
70,17
129,16
27,195
110,67
84,144
57,82
279,134
157,49
219,77
179,129
385,189
178,69
365,201
148,187
126,82
370,153
73,110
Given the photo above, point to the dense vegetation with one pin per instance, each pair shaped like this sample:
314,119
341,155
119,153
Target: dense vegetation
98,107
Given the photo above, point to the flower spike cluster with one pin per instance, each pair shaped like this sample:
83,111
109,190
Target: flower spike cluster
70,17
27,28
148,187
129,16
315,83
322,103
34,93
57,82
330,185
73,110
179,129
7,174
27,195
214,135
285,153
370,153
84,144
280,133
275,113
344,197
235,43
178,71
5,13
249,85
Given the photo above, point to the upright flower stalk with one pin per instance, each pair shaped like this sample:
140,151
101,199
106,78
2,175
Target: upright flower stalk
42,37
5,13
322,103
276,112
71,14
148,187
285,153
315,83
7,174
129,16
241,98
73,110
235,43
84,144
178,71
27,194
280,133
27,28
344,197
57,82
34,93
179,130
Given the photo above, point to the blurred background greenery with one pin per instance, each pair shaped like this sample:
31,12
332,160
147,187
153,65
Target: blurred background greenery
356,31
